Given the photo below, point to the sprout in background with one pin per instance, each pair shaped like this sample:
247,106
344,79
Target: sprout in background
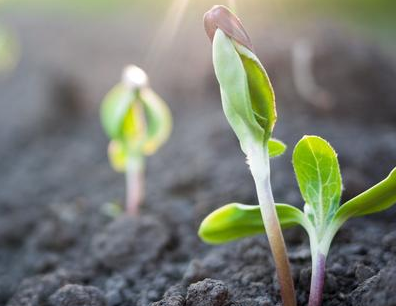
9,51
138,122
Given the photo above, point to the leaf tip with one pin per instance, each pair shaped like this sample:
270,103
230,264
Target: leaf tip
204,232
220,17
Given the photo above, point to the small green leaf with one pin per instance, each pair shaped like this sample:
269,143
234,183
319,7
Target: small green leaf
235,221
276,147
234,91
139,119
246,92
114,110
134,129
261,92
378,198
318,175
118,156
159,121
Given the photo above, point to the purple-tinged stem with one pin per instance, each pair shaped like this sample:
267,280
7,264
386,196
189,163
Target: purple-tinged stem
277,244
259,166
134,187
317,280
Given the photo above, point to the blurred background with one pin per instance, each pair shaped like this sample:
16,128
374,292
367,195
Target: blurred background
332,64
85,43
332,59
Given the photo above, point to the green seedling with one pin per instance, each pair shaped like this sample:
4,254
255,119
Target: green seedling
318,174
249,105
138,122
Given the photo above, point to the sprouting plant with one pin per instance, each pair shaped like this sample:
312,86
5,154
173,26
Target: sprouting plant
249,104
318,174
138,122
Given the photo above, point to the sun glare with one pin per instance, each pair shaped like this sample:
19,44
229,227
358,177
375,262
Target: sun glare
166,33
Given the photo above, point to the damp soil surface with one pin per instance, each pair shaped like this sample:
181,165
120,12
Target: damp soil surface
61,244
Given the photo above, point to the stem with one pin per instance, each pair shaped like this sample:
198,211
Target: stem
134,185
259,165
317,279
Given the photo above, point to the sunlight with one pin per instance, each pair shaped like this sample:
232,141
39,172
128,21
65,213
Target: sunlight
232,5
166,33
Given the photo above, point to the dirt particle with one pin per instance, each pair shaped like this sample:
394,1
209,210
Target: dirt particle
389,241
208,292
195,272
77,295
363,272
378,290
128,240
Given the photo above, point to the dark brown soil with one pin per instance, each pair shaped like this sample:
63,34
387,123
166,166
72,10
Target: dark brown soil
58,246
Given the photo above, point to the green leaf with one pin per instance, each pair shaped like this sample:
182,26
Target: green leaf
276,147
114,109
158,121
318,175
246,92
118,156
134,129
235,221
140,120
378,198
261,92
234,90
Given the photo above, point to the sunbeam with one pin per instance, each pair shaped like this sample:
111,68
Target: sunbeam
232,5
166,33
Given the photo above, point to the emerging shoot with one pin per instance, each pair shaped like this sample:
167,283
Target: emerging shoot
317,170
138,122
249,104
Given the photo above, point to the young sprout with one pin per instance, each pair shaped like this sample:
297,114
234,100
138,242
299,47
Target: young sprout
138,122
317,170
249,104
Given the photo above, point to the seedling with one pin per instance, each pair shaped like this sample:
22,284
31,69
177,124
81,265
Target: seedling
249,104
138,122
318,175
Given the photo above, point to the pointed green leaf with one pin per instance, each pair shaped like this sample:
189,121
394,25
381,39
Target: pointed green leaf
276,147
378,198
247,95
114,108
262,97
318,175
234,90
235,221
159,121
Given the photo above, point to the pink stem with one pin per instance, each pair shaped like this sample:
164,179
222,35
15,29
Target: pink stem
317,280
134,187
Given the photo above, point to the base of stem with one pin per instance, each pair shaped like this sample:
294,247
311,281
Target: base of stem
317,280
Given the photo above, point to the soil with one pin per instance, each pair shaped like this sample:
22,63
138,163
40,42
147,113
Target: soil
60,246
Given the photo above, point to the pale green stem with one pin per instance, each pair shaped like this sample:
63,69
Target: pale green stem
259,165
